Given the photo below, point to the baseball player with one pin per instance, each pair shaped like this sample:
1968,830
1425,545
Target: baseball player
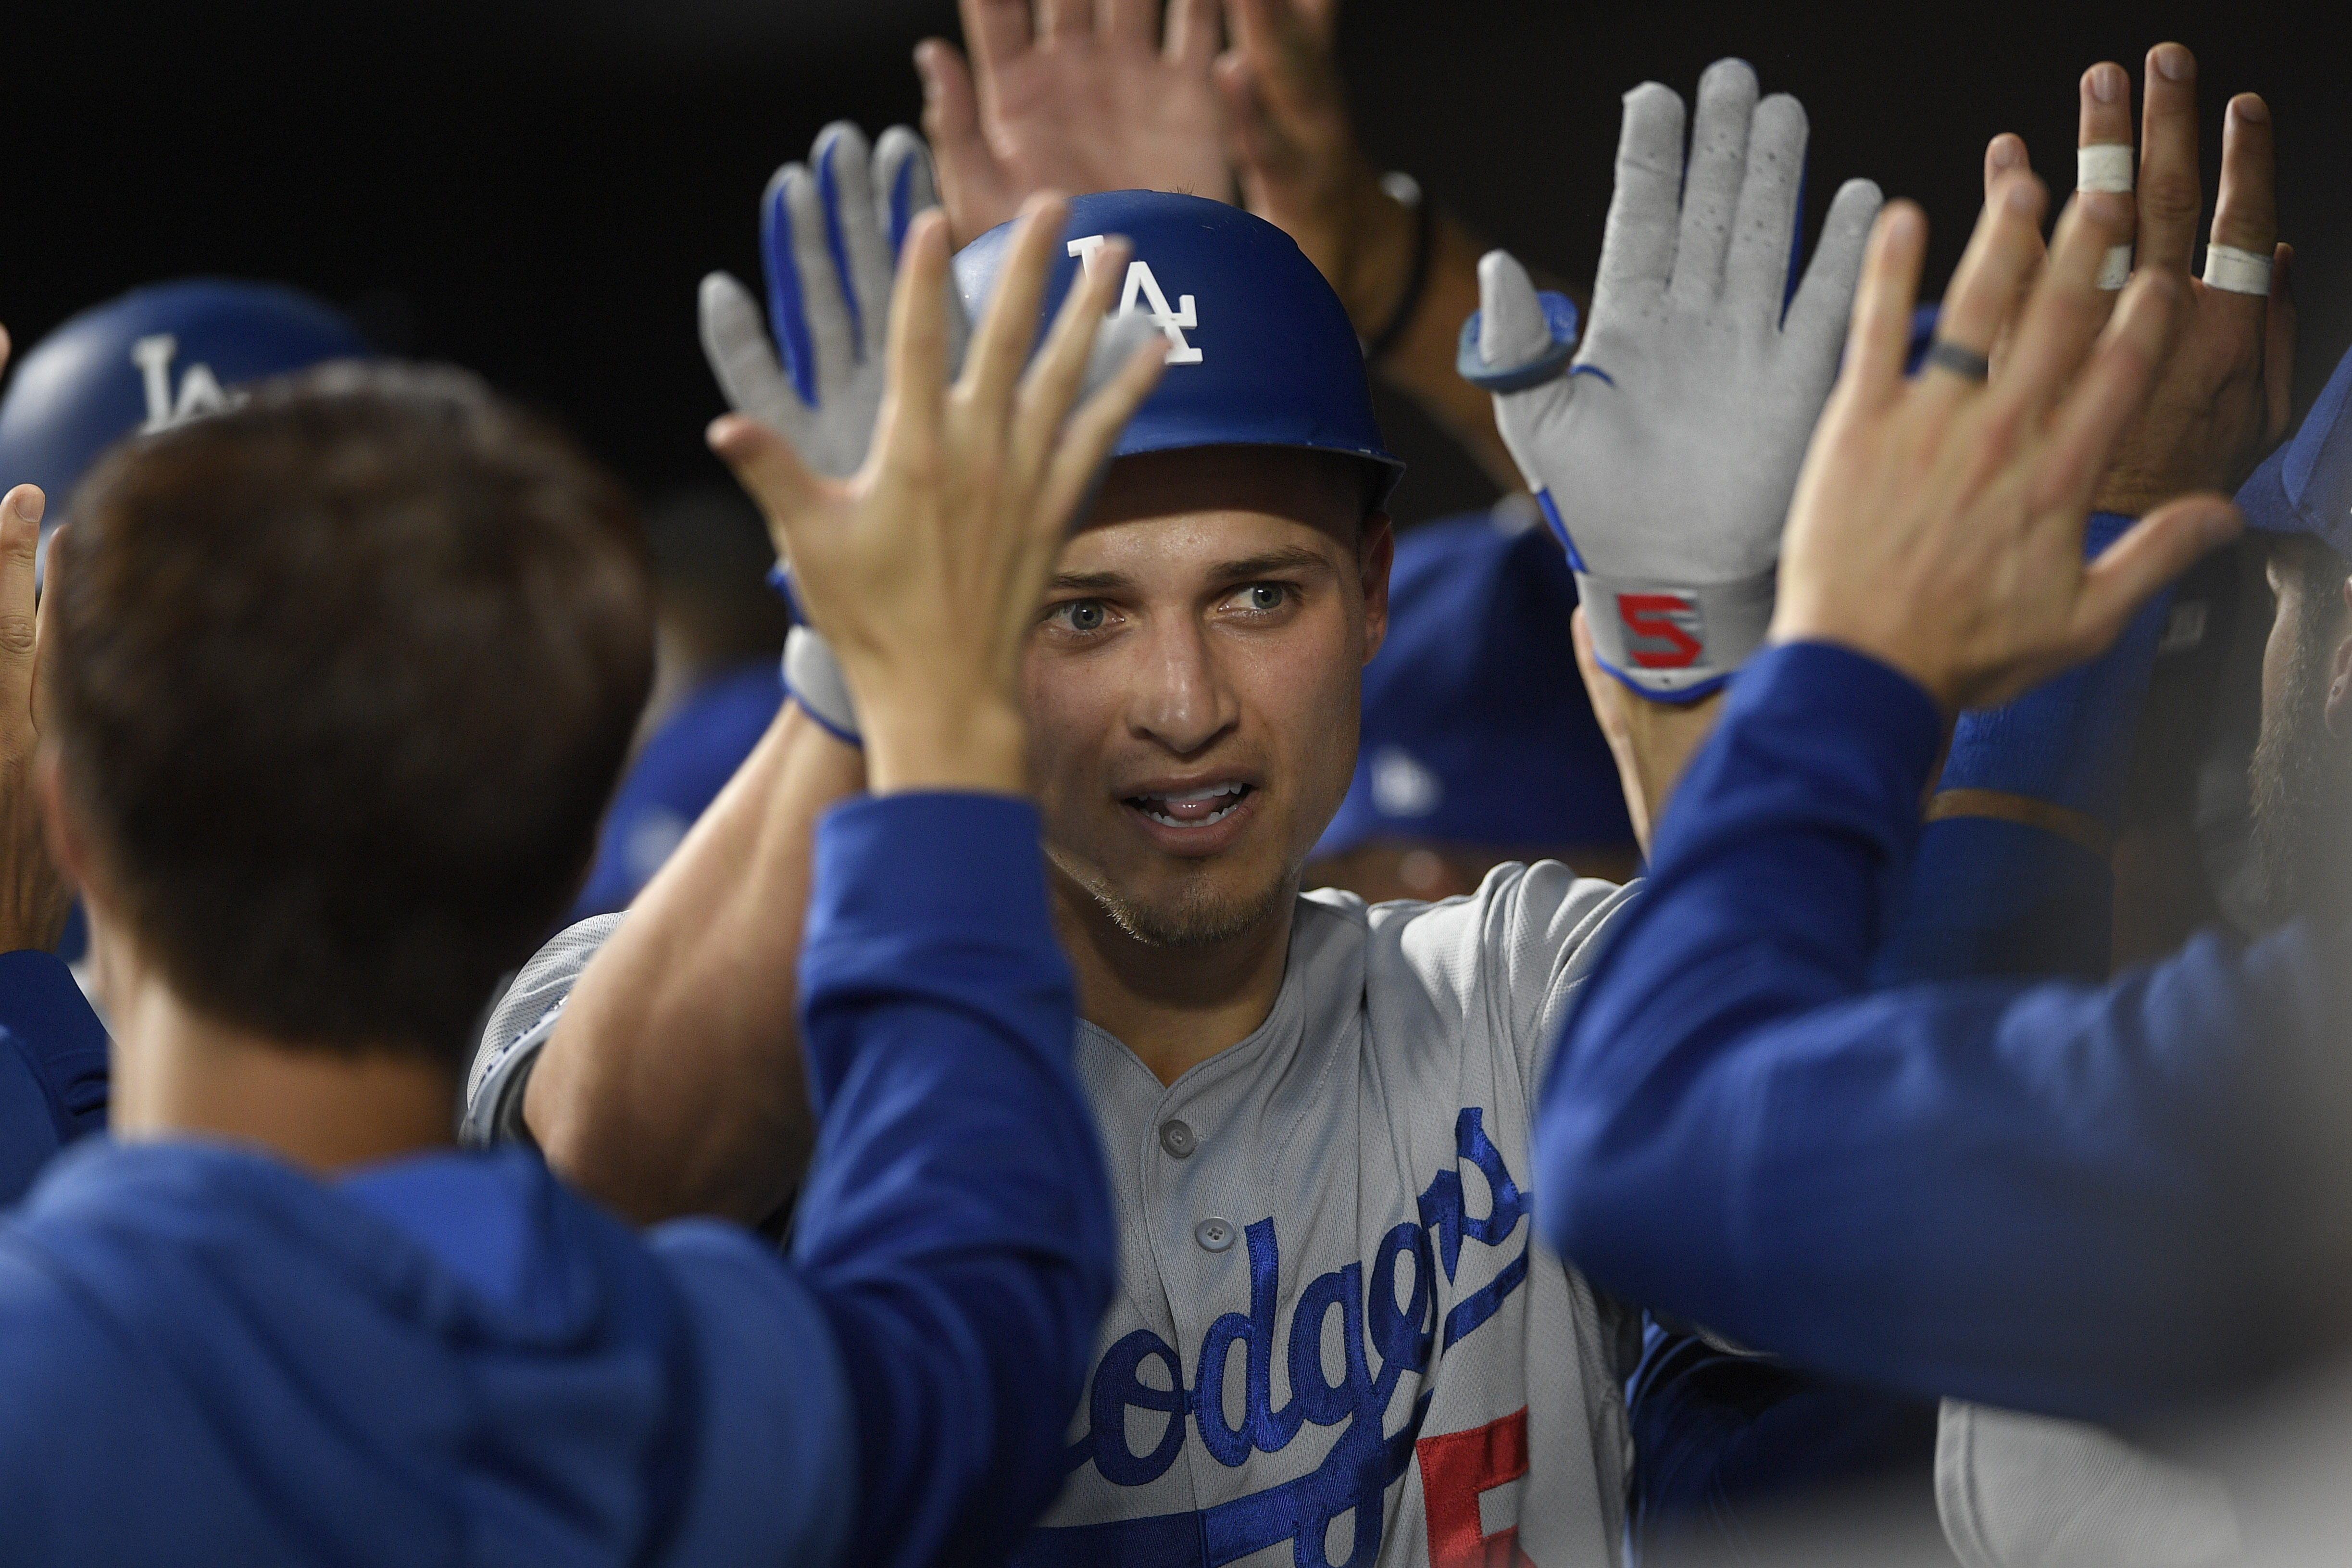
1478,743
2038,1194
143,361
2011,875
276,1318
1335,1338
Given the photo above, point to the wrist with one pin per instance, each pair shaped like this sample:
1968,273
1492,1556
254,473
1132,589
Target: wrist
1375,272
931,741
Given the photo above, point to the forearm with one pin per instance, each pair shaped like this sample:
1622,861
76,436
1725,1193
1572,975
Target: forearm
2033,1195
673,1083
958,1226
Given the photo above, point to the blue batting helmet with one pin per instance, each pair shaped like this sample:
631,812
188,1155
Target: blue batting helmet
1476,727
149,360
1261,353
2306,487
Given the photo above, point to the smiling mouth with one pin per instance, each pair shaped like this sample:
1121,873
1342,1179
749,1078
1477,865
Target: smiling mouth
1192,808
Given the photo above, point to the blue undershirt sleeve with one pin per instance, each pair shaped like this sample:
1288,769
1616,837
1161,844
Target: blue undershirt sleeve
2034,1194
53,1066
956,1224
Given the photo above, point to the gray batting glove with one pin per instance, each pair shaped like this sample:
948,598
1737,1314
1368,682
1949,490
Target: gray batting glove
829,236
1665,451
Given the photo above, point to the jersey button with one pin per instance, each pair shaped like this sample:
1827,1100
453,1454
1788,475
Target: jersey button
1178,1140
1214,1234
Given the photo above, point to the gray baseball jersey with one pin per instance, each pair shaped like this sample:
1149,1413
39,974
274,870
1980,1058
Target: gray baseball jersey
1337,1339
2028,1491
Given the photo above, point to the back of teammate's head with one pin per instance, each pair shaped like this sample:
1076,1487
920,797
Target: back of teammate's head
341,681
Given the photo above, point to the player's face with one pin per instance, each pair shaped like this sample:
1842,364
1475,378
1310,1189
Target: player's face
1195,685
2302,774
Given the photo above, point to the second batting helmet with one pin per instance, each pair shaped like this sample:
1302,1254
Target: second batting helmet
148,360
1260,350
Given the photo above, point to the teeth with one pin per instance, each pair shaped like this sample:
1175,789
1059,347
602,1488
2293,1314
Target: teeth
1193,796
1196,822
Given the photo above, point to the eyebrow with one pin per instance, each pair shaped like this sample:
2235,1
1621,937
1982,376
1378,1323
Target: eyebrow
1273,562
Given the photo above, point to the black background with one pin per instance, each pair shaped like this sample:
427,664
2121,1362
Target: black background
532,189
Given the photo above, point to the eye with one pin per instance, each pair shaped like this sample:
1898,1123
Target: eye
1262,597
1080,615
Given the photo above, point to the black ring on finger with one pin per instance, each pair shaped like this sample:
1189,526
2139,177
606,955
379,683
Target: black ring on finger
1960,362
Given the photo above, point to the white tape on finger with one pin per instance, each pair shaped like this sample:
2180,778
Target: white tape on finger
2115,268
2105,167
2235,271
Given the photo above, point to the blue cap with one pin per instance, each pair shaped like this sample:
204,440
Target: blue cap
2306,487
1261,350
1476,727
148,360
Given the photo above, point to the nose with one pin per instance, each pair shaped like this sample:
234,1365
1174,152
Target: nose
1180,699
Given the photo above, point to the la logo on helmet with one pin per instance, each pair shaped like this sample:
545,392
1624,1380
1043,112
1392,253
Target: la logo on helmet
1143,287
200,391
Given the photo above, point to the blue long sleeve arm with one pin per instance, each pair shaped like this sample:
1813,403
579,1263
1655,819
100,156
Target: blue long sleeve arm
956,1224
2047,1196
1720,1436
53,1066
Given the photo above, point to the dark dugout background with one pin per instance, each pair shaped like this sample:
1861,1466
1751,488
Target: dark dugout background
532,189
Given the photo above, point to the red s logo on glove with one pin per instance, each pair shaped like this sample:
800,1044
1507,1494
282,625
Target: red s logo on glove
1660,618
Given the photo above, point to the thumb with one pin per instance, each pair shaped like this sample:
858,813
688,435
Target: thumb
771,473
2128,573
1511,327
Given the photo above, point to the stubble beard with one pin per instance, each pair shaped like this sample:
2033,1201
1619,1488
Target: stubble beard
2302,787
1199,914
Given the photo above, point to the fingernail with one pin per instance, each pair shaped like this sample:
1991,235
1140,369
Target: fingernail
31,505
2007,152
2177,63
2250,109
2108,83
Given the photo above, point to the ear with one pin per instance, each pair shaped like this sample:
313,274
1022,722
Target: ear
1375,557
67,849
2339,683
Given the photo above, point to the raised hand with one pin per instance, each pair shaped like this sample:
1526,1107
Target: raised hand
1082,96
924,569
33,899
1938,522
830,232
1665,451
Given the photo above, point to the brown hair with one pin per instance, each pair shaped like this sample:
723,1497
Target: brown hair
342,681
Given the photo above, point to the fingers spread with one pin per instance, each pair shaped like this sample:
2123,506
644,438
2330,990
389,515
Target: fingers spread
806,308
1193,33
2246,213
921,338
1008,327
1094,428
996,32
2004,154
2105,396
2001,254
1511,327
1817,316
854,238
2170,193
2067,307
2104,119
1132,22
904,184
735,344
1637,248
1065,18
20,538
1881,335
1052,382
1765,229
2160,547
1718,163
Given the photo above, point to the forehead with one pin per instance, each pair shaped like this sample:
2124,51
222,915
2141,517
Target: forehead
1184,508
